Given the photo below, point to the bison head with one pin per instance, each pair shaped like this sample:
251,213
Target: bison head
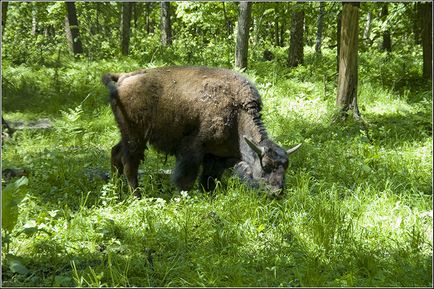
268,167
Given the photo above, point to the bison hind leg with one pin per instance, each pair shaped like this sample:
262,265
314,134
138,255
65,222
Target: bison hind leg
125,158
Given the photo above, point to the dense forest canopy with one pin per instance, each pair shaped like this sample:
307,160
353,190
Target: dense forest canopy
35,32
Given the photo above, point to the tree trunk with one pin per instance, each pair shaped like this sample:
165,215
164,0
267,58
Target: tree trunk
34,18
367,31
348,63
427,39
338,39
276,28
72,30
242,45
166,28
387,42
126,26
228,23
4,15
417,22
295,53
320,25
149,22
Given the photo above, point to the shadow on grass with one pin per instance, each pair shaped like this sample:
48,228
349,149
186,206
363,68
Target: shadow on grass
166,256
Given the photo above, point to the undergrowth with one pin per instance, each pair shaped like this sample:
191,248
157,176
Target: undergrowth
357,209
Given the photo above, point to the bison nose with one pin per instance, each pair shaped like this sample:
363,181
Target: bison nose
275,193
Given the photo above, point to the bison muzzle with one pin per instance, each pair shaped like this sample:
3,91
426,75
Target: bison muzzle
209,118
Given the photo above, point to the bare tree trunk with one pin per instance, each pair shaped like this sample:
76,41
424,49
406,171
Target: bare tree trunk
426,11
228,23
34,20
320,26
149,22
296,44
166,28
71,27
126,27
242,45
338,39
387,42
417,22
4,15
367,31
348,64
276,28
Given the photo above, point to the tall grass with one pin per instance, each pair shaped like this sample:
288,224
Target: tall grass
357,209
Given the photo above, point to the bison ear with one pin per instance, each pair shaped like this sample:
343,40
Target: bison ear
291,150
257,149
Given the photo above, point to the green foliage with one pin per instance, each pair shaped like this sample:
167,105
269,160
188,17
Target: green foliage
12,195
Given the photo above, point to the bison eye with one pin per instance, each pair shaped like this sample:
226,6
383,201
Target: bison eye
267,165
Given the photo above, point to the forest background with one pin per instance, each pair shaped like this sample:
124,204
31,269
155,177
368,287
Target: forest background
357,209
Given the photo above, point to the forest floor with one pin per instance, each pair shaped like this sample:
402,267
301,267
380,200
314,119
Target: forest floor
357,209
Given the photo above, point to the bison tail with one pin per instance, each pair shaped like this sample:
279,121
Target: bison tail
109,77
110,80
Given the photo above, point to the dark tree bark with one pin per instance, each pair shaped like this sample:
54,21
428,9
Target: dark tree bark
386,45
228,22
4,15
426,13
348,63
166,27
417,22
276,28
295,53
242,45
72,30
320,25
127,8
149,22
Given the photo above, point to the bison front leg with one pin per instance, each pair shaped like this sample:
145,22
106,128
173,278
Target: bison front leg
116,159
188,160
213,168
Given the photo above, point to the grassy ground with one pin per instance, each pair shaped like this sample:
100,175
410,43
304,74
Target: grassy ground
357,209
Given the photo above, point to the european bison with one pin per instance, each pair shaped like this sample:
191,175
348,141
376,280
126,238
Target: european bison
206,117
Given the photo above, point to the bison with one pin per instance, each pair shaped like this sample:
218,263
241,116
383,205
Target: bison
209,118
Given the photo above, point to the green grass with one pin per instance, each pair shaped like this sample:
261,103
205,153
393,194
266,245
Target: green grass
357,209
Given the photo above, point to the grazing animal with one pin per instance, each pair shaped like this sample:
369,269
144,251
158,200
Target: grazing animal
206,117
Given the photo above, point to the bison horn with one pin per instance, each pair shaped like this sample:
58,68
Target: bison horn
257,149
291,150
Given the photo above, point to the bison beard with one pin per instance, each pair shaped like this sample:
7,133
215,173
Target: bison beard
208,118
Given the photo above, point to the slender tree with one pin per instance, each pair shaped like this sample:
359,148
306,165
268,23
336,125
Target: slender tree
295,53
426,16
166,27
4,15
72,29
126,26
276,27
242,45
367,30
348,60
338,39
149,22
320,25
386,45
